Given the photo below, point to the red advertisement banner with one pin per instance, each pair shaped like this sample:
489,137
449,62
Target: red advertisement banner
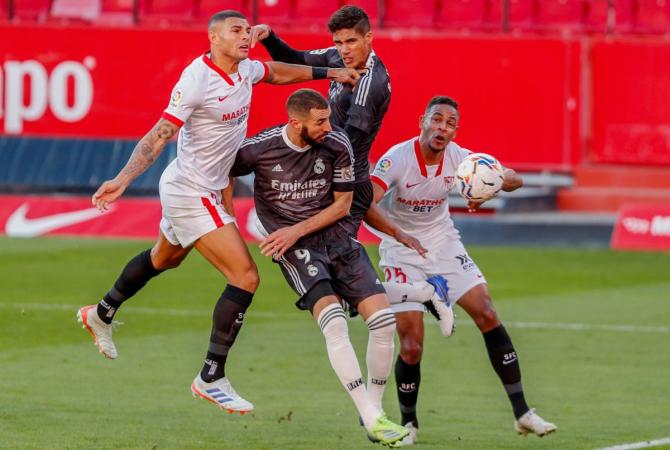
520,98
643,227
31,216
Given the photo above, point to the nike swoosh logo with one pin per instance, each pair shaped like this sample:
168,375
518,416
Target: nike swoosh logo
223,98
508,362
18,225
407,185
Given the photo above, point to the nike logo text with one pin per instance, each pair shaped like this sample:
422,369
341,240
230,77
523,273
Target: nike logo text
18,225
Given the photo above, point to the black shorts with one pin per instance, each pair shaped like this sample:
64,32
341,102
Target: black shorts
331,255
363,197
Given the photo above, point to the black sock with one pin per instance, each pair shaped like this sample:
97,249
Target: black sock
134,276
506,364
407,378
226,323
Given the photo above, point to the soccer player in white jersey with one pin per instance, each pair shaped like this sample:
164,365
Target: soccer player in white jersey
416,176
209,107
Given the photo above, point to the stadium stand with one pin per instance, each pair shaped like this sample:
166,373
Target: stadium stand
165,12
203,9
516,17
273,11
465,15
651,16
559,15
30,10
117,12
86,10
409,14
372,7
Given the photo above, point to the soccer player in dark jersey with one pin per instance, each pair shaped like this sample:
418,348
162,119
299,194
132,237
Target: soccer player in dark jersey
358,109
302,189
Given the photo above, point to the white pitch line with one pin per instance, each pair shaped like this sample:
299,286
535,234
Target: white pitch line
634,445
269,314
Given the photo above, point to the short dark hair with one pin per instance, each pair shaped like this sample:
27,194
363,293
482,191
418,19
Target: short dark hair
442,100
304,100
223,15
349,16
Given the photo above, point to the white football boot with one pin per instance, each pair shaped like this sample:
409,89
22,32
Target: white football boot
532,423
221,393
101,332
410,439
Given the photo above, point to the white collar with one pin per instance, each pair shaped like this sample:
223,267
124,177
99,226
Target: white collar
290,144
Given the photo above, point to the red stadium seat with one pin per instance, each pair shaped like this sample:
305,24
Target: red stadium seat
560,14
37,10
273,11
651,16
204,9
86,10
117,12
409,13
520,14
599,16
464,14
371,8
4,10
165,12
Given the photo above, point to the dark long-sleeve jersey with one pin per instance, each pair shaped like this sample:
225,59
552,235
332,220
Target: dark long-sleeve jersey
293,184
360,109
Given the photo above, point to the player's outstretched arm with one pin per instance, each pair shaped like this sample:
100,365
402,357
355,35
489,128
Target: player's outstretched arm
282,73
278,49
377,219
145,153
511,181
278,242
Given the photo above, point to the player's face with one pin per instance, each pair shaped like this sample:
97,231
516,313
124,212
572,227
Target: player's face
231,37
316,126
353,47
439,126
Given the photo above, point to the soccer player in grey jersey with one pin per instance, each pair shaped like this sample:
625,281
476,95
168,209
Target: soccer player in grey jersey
358,109
302,188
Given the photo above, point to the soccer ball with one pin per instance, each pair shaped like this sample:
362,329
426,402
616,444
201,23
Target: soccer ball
480,177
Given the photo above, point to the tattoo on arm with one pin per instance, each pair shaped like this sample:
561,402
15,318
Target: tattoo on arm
147,149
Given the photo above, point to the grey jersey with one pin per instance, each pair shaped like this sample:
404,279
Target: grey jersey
293,184
362,106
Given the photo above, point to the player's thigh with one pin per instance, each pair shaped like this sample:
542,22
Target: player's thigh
226,250
322,303
306,272
354,277
458,268
372,304
477,303
166,254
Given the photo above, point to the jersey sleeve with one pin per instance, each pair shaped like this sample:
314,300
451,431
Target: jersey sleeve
370,98
458,153
245,160
321,57
388,170
343,164
258,71
186,96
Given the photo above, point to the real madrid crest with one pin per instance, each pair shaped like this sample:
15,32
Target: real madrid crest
319,166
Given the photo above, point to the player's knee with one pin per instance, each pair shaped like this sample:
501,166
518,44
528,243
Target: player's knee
166,262
487,318
411,351
249,279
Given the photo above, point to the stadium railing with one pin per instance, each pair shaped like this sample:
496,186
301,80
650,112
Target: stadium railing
499,16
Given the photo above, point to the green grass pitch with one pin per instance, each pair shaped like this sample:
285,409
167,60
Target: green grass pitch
591,328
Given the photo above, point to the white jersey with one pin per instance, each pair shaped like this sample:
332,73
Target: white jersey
212,109
418,201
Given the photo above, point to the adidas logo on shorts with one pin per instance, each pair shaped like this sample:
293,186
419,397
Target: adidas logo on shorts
277,168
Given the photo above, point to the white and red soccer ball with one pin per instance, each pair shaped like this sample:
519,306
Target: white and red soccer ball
480,177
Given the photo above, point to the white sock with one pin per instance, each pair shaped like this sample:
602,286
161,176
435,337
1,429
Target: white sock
380,353
418,291
333,324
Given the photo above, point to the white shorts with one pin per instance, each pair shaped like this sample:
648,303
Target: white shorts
189,211
447,258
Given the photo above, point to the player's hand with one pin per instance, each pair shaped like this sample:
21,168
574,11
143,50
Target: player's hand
345,75
259,32
411,242
474,207
109,191
278,242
